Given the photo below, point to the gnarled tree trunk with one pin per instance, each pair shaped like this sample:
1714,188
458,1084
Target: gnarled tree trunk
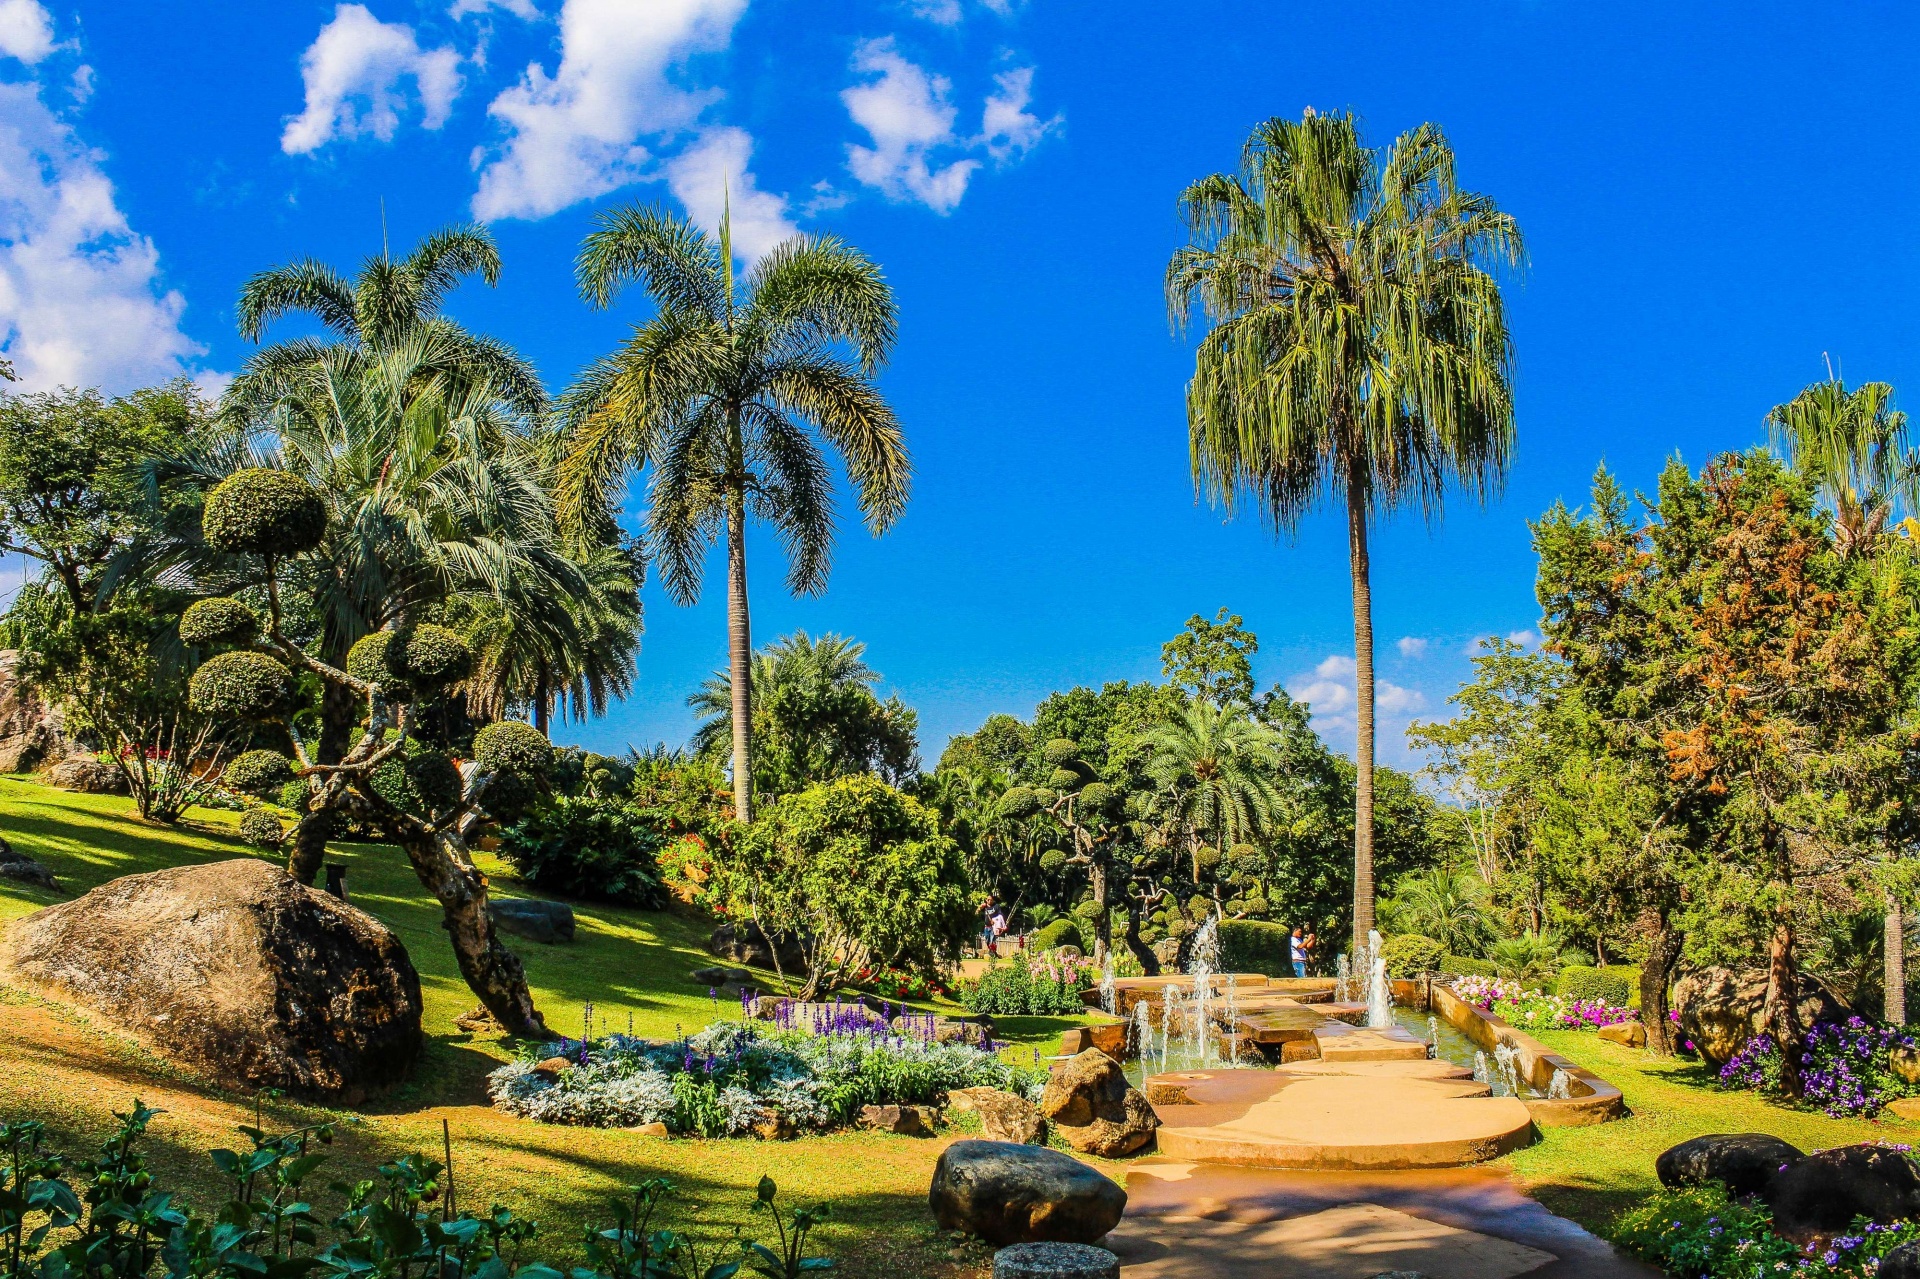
1896,955
494,972
1656,975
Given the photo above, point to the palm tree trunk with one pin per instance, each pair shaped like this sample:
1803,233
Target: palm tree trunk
739,654
1363,694
1896,979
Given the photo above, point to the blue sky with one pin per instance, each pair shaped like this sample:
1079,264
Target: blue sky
1713,195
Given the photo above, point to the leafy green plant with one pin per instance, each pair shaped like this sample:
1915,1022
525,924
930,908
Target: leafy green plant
593,848
1250,946
1410,954
1582,981
1702,1233
1022,987
1064,931
791,1260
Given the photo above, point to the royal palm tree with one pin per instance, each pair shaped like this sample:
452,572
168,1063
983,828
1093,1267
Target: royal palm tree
1214,770
385,303
1854,446
1358,351
734,393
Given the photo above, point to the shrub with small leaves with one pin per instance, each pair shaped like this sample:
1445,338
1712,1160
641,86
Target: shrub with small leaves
295,795
1063,779
1061,751
1057,933
370,659
218,621
419,781
261,511
1095,798
431,656
513,747
261,829
1053,861
257,772
1019,801
240,685
1088,910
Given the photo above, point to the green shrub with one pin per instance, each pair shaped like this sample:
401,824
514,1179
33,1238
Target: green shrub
1630,974
261,829
295,795
259,772
1583,981
261,511
1020,801
1053,861
218,621
1063,779
513,747
1064,931
1096,797
1250,946
593,848
1704,1231
240,686
432,656
1061,751
369,660
1464,966
419,781
1410,954
1023,988
1088,910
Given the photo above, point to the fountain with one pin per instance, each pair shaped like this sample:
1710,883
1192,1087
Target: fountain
1142,1030
1433,1038
1107,994
1379,994
1507,1062
1560,1087
1480,1075
1341,973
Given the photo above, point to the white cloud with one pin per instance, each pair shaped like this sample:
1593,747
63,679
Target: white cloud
906,113
81,300
522,9
1329,689
1525,639
1412,647
712,174
1007,128
26,32
355,71
945,13
576,133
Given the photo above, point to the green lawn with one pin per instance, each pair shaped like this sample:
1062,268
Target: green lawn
56,1065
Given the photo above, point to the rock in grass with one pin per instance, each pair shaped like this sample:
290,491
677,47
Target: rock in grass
1825,1191
238,970
907,1121
1094,1109
1902,1263
1744,1162
1003,1116
549,922
22,869
1008,1194
1055,1261
1631,1034
1722,1008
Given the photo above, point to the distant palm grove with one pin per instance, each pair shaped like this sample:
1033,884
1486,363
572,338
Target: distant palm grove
362,591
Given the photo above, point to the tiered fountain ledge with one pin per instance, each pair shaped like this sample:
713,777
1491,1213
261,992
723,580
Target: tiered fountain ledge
1284,1073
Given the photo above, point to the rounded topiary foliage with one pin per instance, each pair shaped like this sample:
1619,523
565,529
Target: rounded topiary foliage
261,511
295,795
1053,861
1061,750
510,746
430,656
1063,779
1096,797
419,781
1088,910
1019,801
218,621
240,686
1246,859
370,660
262,829
1206,857
507,796
258,772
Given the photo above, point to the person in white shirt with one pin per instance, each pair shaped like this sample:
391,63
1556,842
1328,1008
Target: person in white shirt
1297,952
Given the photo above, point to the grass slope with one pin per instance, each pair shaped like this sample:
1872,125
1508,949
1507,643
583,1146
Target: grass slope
57,1065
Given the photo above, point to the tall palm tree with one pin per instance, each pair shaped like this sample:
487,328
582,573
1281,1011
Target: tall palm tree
385,303
1854,445
729,393
1358,351
1214,769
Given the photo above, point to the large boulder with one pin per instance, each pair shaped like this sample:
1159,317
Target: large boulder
1824,1192
31,732
1094,1109
549,922
238,970
22,869
1902,1263
87,775
746,943
1744,1162
1720,1008
1008,1193
1003,1116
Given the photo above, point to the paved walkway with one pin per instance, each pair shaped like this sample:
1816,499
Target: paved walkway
1186,1221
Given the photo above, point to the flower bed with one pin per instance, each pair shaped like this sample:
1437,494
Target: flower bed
731,1077
1044,985
1536,1010
1845,1069
1702,1234
896,983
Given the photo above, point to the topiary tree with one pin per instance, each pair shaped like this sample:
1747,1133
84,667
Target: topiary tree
262,830
257,772
389,778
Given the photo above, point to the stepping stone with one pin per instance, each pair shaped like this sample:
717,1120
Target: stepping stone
1055,1261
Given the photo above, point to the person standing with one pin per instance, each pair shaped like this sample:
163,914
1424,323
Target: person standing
986,928
1297,952
1309,946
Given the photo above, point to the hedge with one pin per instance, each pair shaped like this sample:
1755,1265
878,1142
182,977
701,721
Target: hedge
1057,933
1584,981
1410,954
1250,946
1463,966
